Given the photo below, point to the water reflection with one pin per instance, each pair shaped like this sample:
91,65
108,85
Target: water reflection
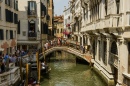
68,73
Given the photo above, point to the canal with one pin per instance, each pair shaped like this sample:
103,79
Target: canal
66,71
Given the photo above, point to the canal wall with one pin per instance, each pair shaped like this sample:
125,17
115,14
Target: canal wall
108,81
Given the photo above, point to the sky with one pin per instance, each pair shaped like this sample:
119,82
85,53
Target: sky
59,6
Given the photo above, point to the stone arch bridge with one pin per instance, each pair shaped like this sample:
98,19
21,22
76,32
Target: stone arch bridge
86,57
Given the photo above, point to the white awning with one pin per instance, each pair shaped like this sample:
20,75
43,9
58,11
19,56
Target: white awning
1,49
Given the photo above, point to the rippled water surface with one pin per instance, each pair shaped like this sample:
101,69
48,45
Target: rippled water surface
68,73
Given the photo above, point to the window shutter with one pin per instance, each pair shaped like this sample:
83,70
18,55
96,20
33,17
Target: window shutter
28,8
18,30
9,2
35,6
1,34
28,25
11,17
14,4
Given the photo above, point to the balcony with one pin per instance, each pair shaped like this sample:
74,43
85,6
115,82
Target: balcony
32,36
127,24
114,60
112,21
32,13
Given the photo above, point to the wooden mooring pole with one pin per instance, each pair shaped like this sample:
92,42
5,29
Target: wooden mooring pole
21,72
26,74
37,57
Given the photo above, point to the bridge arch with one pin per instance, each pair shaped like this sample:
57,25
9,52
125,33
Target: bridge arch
86,57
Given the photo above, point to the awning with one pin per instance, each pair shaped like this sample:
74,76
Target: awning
1,49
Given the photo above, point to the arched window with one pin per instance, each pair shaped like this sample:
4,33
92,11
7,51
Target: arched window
114,48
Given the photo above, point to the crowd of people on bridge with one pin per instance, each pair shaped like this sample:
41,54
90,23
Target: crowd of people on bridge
63,42
55,42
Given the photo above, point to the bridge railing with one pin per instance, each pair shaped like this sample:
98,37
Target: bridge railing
10,77
70,43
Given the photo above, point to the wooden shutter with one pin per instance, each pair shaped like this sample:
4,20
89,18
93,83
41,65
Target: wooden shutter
35,6
28,7
18,30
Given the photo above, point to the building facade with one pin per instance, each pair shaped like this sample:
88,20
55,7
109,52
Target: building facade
8,26
32,24
58,26
67,21
76,11
50,19
104,26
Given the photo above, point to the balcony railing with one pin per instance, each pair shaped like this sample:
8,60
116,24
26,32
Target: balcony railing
114,60
32,36
32,13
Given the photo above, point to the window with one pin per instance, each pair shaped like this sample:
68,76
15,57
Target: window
61,30
31,7
10,49
6,34
8,2
118,5
14,34
114,48
57,30
15,5
1,34
24,33
9,15
106,6
11,34
0,14
18,28
15,18
105,52
94,49
99,49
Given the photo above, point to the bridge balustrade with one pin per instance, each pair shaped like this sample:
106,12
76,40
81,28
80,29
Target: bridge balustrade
10,77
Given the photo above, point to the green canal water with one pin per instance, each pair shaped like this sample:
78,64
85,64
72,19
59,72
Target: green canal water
66,72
